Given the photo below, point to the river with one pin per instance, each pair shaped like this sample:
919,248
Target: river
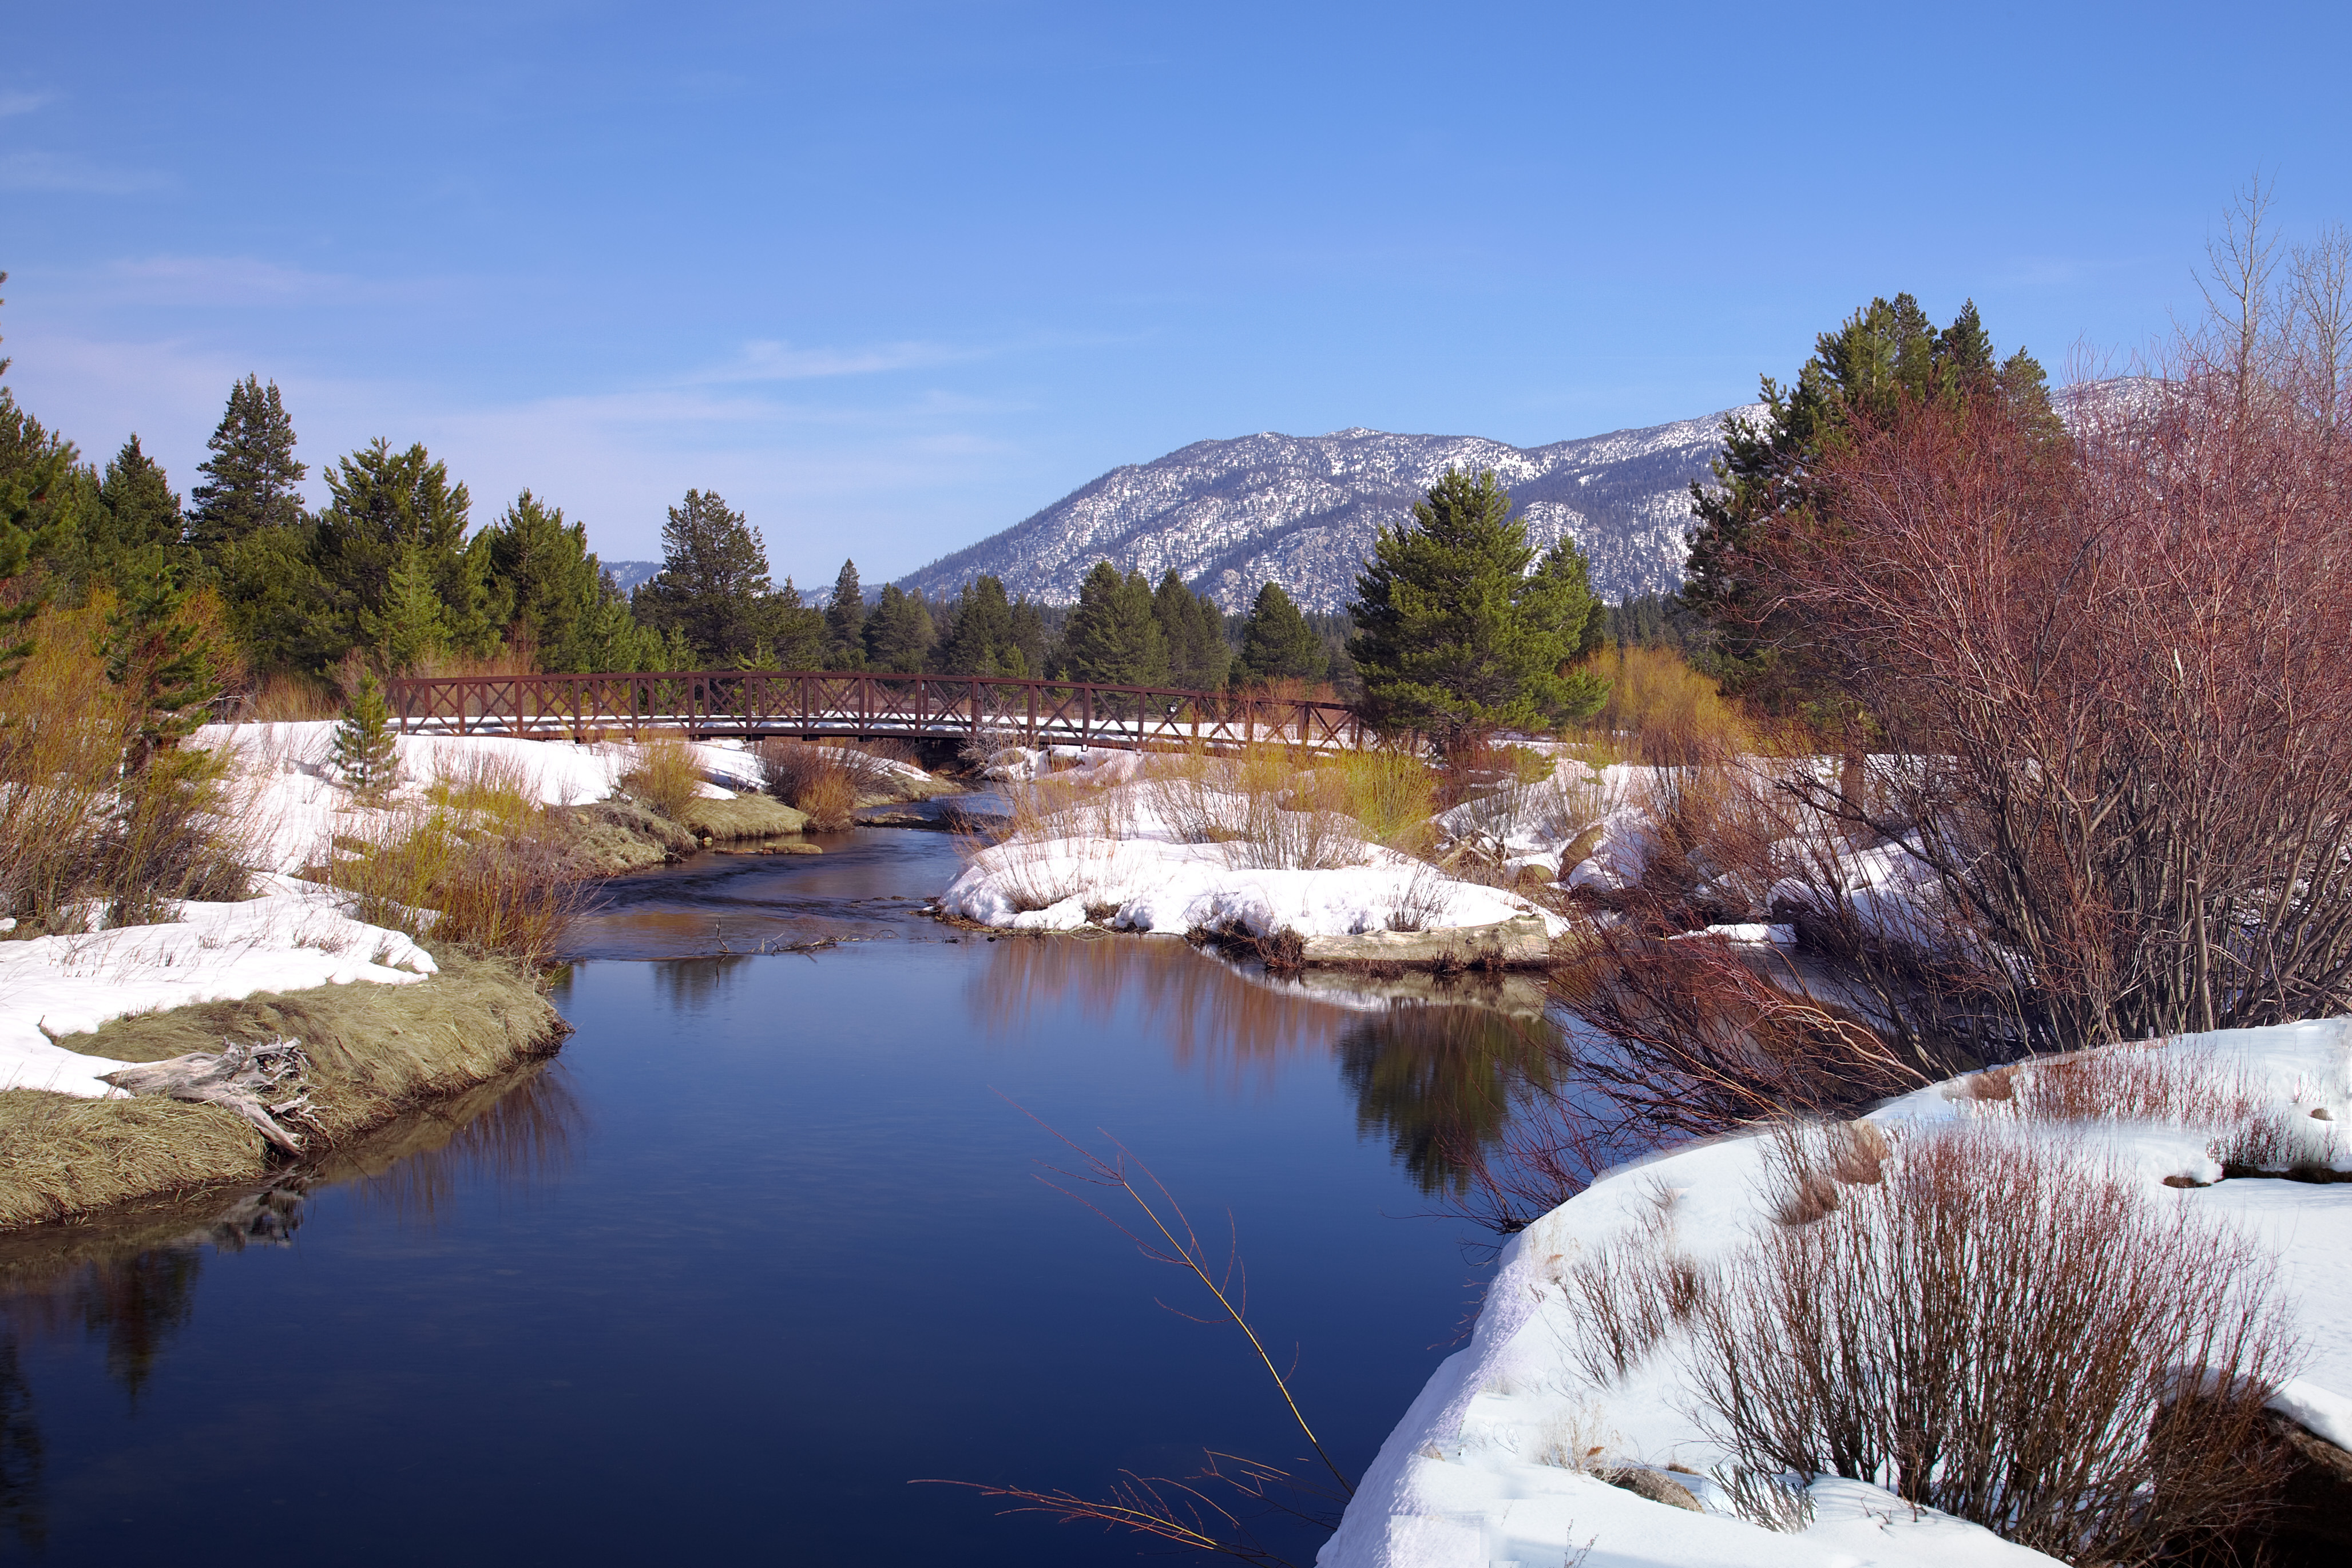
767,1243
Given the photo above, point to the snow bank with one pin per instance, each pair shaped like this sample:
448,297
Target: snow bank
1118,849
1459,1483
297,803
296,935
1175,888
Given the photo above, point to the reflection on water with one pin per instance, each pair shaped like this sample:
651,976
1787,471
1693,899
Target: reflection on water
1435,1067
704,1316
21,1515
128,1282
1441,1082
868,884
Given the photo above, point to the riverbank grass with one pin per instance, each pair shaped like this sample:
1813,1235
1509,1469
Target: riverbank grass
375,1052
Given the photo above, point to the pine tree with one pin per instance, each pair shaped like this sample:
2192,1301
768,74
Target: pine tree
38,496
143,510
364,752
252,476
1455,635
1113,639
981,632
1882,354
713,587
898,634
545,583
163,653
1195,629
844,622
800,630
410,628
388,508
1276,641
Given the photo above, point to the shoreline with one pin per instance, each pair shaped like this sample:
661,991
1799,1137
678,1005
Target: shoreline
376,1052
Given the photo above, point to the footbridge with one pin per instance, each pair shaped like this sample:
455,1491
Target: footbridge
809,705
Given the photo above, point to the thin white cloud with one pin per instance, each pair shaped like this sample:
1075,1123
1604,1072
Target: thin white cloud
228,280
766,361
909,478
14,103
35,171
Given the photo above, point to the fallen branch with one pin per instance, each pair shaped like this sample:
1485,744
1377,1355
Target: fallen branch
237,1078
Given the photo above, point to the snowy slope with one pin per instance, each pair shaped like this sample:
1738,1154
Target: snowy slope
1228,516
1470,1476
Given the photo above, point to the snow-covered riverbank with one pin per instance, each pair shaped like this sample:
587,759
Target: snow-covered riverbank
1134,849
1501,1458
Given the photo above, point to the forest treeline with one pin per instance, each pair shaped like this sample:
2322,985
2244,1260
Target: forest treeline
393,575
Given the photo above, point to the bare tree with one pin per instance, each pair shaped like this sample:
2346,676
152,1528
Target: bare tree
2322,282
2240,307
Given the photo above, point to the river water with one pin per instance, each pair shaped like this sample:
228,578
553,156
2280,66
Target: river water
766,1244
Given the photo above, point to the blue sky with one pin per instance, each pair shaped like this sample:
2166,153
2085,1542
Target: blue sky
893,277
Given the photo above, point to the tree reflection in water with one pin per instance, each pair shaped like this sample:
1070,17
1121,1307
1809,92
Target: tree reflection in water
130,1279
1432,1071
21,1513
1441,1082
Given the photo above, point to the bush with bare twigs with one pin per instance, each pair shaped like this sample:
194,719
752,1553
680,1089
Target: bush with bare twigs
87,835
826,781
479,863
2015,1338
662,774
2126,734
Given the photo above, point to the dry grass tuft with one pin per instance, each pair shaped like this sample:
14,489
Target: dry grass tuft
826,781
61,1155
662,774
290,699
437,872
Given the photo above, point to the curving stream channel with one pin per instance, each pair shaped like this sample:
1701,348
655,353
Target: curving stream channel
765,1244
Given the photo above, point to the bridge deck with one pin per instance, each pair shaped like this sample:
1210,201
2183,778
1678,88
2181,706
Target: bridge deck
817,704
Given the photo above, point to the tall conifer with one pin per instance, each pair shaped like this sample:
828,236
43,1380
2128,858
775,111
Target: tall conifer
845,621
1276,641
1113,638
1455,633
252,476
713,587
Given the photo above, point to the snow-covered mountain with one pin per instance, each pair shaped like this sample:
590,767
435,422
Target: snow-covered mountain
1302,510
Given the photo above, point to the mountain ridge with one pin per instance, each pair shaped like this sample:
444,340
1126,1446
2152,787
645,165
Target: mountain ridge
1228,514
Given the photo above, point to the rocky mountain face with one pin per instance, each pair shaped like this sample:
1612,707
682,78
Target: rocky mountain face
1228,516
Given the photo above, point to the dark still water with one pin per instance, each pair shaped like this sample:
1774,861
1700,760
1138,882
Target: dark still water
762,1246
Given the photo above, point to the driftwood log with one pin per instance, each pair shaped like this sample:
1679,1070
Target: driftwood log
241,1077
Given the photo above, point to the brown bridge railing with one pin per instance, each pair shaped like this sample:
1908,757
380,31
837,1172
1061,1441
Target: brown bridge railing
809,704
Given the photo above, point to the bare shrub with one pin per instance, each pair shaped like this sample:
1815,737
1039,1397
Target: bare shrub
1699,1036
1192,794
2150,1081
1629,1293
504,887
1420,902
1779,1503
2130,737
826,781
1997,1332
1292,819
662,775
